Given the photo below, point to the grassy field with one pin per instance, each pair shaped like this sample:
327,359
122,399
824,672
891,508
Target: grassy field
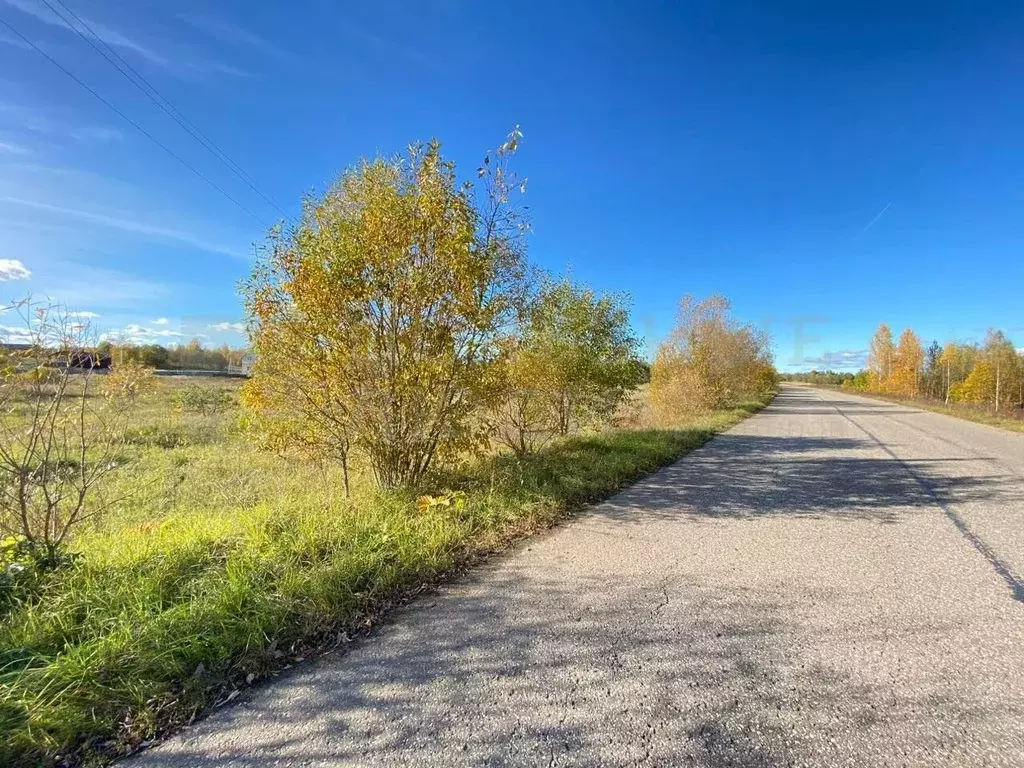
966,411
225,564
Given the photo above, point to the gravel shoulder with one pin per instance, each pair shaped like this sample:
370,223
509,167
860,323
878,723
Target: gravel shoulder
835,581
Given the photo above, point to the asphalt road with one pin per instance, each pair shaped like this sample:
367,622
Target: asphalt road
834,582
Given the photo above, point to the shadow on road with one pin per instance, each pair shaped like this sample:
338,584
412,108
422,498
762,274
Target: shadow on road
525,672
739,475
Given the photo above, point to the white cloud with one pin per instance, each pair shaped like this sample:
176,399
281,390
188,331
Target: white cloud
96,133
161,321
163,333
12,269
225,31
225,326
17,42
224,69
850,359
84,314
228,32
139,334
54,121
13,334
13,149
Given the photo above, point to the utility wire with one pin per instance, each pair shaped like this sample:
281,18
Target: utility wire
150,91
128,120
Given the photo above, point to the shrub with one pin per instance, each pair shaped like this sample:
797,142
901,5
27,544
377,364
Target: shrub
375,319
710,361
194,398
171,435
58,439
572,362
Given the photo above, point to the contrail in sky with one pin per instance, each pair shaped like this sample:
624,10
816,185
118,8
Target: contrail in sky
870,223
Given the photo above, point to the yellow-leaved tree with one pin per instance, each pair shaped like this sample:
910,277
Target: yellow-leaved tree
956,361
880,358
709,361
375,320
907,364
979,385
571,362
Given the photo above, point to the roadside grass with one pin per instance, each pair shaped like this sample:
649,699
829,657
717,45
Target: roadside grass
225,564
965,411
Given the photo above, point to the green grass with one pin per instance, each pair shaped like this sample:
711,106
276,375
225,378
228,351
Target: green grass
225,564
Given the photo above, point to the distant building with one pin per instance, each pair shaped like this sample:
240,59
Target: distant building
93,361
244,367
80,359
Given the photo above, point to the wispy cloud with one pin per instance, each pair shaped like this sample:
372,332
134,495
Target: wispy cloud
227,31
225,326
180,59
26,118
220,67
53,122
13,149
95,133
134,226
108,35
164,333
12,269
140,334
83,285
161,321
13,334
7,39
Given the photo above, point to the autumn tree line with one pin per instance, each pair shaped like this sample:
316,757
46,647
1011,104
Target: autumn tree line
191,356
989,374
399,324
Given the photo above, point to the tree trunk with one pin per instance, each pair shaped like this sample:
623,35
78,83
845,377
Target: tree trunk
997,387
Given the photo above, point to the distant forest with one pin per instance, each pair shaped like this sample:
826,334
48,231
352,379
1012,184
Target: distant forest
192,356
988,375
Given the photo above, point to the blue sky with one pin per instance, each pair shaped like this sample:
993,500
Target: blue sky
825,165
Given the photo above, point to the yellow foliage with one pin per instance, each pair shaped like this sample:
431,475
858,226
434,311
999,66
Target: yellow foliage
709,361
880,358
980,385
572,361
375,319
908,361
128,381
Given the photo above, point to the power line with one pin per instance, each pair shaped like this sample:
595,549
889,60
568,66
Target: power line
128,120
150,91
